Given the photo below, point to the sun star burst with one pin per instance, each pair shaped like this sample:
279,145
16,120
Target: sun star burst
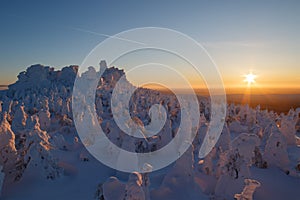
250,78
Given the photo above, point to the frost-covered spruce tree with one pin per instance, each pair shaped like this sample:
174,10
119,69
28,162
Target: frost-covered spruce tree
179,181
249,189
240,156
44,116
265,134
165,134
99,192
245,145
275,153
258,160
236,168
6,104
288,126
221,168
231,179
66,107
146,180
37,151
134,189
224,140
208,166
19,119
112,189
14,106
263,118
234,164
8,152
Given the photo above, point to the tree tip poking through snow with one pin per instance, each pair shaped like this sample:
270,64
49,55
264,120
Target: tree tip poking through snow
249,189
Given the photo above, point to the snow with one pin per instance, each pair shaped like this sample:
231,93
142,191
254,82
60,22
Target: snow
113,189
2,175
257,155
247,194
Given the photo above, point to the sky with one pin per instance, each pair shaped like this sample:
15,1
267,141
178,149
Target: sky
259,37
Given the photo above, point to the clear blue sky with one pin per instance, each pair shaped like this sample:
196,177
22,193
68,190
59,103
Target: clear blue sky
262,36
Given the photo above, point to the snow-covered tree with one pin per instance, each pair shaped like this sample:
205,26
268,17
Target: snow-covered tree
275,153
44,116
288,127
8,152
37,151
133,188
19,119
113,189
249,189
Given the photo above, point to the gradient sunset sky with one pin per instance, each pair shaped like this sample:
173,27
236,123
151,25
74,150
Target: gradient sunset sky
241,36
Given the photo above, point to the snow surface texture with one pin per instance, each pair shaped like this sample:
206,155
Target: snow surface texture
42,157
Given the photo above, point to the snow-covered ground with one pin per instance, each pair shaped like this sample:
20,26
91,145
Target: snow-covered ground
42,157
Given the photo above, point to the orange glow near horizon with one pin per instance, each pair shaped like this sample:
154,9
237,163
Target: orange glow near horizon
260,82
241,89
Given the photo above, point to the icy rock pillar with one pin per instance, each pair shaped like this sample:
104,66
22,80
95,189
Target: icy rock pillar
247,194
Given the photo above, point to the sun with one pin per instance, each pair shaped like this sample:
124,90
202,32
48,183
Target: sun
250,78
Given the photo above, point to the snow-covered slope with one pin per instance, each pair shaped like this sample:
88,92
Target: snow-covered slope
43,157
